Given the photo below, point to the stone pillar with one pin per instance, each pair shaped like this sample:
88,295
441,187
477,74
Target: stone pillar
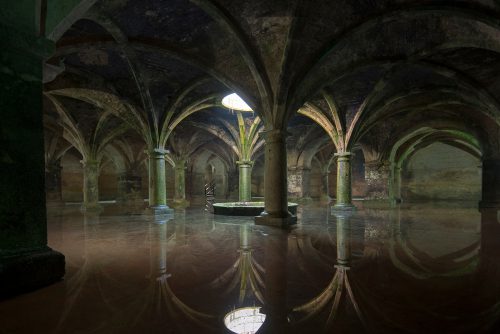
344,189
26,262
245,180
395,184
90,185
53,186
377,175
180,185
491,184
275,179
157,183
325,193
129,188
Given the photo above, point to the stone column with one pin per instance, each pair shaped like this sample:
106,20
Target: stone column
26,262
245,180
395,184
157,183
180,185
53,186
377,180
90,185
325,193
491,184
344,191
306,185
275,179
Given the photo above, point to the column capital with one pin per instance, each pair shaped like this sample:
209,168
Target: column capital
157,153
89,163
343,154
244,162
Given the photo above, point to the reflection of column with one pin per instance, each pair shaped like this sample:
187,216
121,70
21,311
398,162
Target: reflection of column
275,308
53,186
344,190
158,249
25,260
377,180
157,182
180,227
275,196
245,180
491,184
90,185
343,238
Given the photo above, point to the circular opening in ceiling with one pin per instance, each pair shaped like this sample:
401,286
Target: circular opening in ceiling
234,102
246,320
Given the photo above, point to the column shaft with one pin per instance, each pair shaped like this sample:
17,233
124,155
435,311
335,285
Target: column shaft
53,184
180,185
344,191
245,181
490,184
26,262
275,179
90,185
325,193
157,182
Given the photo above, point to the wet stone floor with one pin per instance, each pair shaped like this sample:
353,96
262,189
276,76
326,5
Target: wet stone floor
422,268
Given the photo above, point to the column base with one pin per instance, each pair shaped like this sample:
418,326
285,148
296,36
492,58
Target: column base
28,271
282,222
343,207
91,208
180,203
159,210
325,199
305,200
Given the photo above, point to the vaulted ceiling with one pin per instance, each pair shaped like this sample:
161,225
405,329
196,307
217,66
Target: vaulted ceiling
358,62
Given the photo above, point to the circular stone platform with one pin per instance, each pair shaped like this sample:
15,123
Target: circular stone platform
245,208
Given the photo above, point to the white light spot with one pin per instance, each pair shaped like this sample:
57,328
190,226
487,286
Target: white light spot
234,102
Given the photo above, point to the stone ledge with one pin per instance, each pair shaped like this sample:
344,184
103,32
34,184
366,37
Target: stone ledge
28,271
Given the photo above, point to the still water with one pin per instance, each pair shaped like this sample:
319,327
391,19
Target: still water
423,268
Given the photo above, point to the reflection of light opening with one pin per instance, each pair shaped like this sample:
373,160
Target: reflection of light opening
246,320
234,102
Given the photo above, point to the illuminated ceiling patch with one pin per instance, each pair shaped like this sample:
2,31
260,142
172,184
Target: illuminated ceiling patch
234,102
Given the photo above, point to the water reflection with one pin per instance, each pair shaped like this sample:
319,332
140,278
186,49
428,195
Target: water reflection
404,270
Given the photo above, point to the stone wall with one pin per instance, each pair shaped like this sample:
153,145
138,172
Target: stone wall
441,172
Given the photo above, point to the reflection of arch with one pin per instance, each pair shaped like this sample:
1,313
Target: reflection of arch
245,271
420,138
407,258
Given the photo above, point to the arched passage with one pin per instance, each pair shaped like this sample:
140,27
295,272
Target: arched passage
436,164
